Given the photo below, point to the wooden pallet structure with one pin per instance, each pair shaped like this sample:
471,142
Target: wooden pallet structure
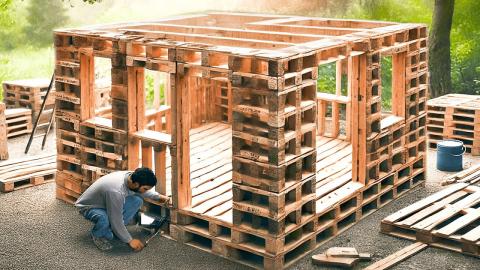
448,219
3,133
27,172
19,121
455,116
29,94
261,166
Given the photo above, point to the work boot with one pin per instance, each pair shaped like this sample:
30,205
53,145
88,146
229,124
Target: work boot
102,243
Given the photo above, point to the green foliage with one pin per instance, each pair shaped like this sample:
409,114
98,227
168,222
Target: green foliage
465,50
43,17
465,35
386,77
327,83
26,63
149,90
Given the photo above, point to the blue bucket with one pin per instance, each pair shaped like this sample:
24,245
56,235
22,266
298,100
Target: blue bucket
450,155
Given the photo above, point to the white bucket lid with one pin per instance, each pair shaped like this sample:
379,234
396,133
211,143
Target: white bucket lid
450,143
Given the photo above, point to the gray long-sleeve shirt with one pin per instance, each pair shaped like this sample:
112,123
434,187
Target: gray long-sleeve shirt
109,192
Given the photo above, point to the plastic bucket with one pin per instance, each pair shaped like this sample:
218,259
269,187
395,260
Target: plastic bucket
450,155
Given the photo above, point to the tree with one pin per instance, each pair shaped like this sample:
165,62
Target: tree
439,48
44,16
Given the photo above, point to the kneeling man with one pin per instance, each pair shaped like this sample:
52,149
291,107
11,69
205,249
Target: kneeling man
113,200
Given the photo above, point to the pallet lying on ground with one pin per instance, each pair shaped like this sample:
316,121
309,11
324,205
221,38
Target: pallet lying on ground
448,219
27,172
3,133
19,121
455,116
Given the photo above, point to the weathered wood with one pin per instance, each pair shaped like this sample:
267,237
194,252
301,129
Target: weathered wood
397,257
181,140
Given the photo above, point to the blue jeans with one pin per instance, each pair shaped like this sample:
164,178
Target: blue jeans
100,218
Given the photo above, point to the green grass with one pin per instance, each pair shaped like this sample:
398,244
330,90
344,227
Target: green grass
26,63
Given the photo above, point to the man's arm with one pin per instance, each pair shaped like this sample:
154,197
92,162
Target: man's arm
152,194
114,203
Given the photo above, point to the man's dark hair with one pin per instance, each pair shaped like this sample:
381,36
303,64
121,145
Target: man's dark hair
144,176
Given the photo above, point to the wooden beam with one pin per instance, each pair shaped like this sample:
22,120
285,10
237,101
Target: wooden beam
140,82
322,110
398,84
353,79
228,32
132,98
87,77
304,29
181,192
362,120
397,257
160,169
147,155
212,40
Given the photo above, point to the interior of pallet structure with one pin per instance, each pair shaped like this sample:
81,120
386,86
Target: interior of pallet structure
241,133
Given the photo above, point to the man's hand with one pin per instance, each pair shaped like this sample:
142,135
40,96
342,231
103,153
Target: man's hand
136,244
163,199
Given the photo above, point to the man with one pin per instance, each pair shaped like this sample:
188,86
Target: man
112,202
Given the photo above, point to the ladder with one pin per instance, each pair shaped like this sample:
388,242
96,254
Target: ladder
48,125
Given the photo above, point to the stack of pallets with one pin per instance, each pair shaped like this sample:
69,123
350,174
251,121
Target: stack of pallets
3,133
29,94
19,121
455,116
87,146
274,183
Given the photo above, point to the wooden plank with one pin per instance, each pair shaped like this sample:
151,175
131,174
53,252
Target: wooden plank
423,203
140,98
322,260
87,80
147,160
160,169
459,223
322,110
398,84
433,220
431,209
132,99
153,137
361,132
397,257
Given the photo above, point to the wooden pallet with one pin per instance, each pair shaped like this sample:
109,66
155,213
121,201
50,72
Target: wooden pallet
19,121
455,116
27,172
447,219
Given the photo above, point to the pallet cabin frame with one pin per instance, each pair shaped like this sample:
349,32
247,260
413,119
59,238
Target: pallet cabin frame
258,75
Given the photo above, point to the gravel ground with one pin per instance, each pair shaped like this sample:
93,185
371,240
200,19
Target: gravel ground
39,232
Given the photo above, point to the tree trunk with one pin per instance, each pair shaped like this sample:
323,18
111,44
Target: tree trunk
439,48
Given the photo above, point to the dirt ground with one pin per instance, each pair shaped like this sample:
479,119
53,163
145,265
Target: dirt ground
39,232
